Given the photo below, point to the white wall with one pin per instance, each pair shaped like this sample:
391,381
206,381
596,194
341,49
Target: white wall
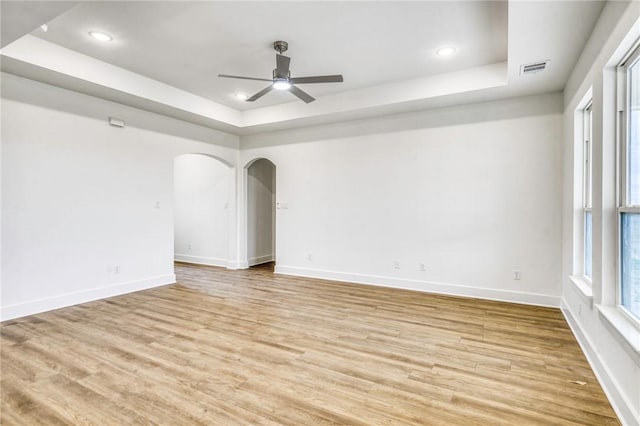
614,359
261,179
472,192
87,208
202,186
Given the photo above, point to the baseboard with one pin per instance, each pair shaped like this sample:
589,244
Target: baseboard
260,259
238,265
75,298
424,286
200,260
619,403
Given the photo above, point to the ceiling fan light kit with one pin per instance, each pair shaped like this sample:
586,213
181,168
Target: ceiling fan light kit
282,79
281,84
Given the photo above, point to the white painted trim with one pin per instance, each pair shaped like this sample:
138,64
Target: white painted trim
211,261
583,288
622,329
239,265
199,260
83,296
620,405
425,286
260,259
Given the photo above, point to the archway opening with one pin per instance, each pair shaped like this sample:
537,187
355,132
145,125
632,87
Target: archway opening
261,212
201,201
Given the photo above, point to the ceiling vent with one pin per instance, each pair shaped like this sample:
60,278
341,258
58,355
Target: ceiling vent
534,67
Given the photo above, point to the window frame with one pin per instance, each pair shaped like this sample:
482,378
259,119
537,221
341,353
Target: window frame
623,206
587,184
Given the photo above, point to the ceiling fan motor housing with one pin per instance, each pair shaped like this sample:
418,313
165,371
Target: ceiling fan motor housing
275,74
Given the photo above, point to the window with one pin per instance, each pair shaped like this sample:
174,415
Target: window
629,190
586,191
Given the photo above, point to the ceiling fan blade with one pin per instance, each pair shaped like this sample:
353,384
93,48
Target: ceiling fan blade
282,65
317,79
243,78
302,94
261,93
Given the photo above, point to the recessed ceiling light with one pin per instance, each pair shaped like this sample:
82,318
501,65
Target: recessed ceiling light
44,28
445,51
100,36
241,96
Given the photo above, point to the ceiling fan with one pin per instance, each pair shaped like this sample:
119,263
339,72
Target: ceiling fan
282,79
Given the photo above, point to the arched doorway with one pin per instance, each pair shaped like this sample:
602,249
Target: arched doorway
201,215
261,212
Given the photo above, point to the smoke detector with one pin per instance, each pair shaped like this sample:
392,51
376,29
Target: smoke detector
534,67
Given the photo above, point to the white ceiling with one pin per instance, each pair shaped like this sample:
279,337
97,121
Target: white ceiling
165,56
20,17
187,44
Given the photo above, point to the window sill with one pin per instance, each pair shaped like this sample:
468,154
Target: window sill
583,288
625,331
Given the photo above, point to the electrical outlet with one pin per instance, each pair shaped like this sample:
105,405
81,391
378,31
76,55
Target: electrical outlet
189,247
116,269
396,264
516,274
310,257
422,267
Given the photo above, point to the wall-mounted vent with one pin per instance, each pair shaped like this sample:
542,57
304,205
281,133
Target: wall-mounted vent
534,67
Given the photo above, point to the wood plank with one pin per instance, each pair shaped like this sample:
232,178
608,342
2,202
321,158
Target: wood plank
252,347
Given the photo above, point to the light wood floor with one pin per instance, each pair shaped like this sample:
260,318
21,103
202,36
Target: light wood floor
248,347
